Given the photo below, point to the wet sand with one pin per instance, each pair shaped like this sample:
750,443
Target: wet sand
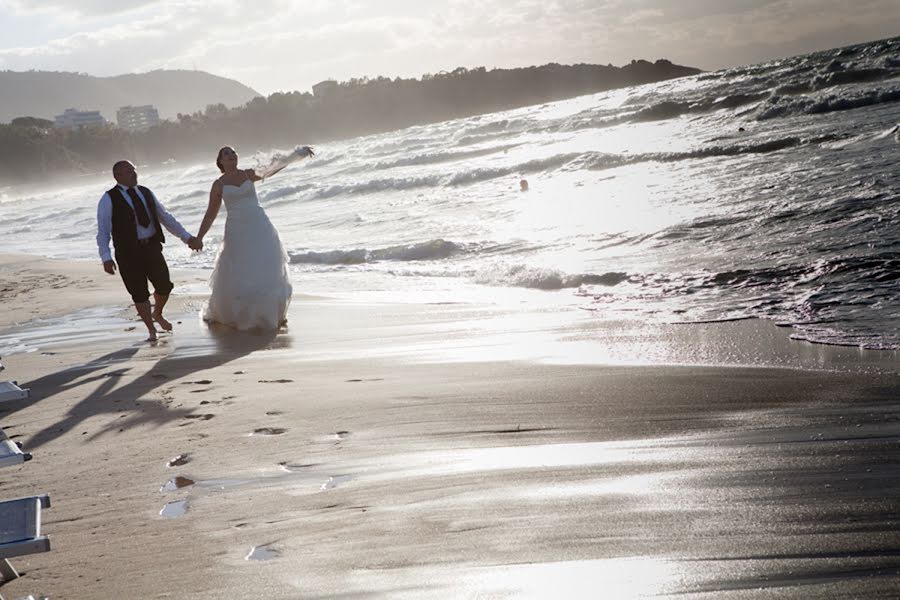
359,455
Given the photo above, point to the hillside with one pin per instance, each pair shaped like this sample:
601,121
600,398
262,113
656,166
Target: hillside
46,94
31,148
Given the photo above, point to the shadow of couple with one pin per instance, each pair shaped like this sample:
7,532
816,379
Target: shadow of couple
103,392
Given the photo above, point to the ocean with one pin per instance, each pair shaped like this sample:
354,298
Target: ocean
767,191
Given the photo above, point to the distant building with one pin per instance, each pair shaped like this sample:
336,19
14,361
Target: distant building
76,119
323,88
137,118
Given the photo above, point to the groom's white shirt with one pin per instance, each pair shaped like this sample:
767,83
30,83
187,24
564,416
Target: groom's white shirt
104,222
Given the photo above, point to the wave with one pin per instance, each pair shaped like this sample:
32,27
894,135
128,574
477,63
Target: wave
670,109
431,250
378,185
439,179
281,192
532,166
471,140
598,161
779,106
543,278
439,157
380,147
503,125
188,196
840,76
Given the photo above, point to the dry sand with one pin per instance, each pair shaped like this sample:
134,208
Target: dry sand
324,468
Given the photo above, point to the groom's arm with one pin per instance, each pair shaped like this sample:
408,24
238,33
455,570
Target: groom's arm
171,223
104,233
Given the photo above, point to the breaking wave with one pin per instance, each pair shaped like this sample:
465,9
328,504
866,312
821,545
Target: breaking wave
430,250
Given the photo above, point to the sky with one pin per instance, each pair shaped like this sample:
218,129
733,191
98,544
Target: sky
281,45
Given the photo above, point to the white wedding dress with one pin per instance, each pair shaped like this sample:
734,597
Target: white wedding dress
251,286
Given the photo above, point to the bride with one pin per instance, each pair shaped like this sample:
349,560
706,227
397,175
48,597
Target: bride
251,286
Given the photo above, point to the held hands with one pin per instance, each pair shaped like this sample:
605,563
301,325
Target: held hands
109,266
195,244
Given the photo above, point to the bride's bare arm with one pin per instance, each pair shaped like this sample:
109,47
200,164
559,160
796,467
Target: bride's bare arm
251,174
215,203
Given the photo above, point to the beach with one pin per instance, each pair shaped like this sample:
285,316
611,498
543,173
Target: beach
439,450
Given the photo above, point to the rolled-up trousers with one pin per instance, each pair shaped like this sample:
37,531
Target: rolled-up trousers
142,263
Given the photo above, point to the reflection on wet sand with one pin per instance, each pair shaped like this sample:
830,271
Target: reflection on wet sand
175,508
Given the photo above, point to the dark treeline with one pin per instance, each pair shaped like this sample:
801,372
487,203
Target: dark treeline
31,148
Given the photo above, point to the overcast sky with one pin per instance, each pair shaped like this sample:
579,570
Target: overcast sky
279,45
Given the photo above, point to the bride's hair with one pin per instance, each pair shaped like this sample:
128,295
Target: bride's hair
219,158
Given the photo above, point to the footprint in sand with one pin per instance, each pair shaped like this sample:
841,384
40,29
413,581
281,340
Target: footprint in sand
176,508
263,552
204,417
181,459
294,467
276,381
176,483
269,431
334,481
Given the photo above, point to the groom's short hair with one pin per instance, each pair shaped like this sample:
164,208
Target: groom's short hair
119,164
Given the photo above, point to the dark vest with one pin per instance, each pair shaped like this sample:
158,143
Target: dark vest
124,228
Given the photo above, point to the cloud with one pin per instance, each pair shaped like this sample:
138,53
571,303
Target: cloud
287,45
73,8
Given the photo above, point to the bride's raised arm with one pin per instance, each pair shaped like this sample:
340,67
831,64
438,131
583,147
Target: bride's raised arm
215,203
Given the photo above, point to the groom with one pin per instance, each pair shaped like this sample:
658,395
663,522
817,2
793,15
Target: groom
132,215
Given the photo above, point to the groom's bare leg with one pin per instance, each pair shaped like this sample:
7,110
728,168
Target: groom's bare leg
143,309
159,301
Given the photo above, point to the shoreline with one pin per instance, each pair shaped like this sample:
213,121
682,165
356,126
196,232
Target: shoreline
39,294
356,454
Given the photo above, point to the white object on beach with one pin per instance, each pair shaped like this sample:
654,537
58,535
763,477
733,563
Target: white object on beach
20,531
281,161
10,453
10,390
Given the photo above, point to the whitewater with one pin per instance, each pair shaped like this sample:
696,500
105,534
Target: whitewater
766,191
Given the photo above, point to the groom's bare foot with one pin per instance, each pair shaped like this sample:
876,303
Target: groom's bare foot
151,336
162,322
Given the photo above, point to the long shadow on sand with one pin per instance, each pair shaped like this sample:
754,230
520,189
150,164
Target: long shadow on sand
222,347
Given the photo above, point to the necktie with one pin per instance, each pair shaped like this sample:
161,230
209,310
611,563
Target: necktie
139,210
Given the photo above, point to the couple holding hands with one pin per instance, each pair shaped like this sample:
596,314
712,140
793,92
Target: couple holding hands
251,286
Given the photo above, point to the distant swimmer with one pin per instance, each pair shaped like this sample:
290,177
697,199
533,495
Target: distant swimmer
741,129
523,185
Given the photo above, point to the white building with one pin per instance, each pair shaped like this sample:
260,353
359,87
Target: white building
137,118
76,119
324,88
